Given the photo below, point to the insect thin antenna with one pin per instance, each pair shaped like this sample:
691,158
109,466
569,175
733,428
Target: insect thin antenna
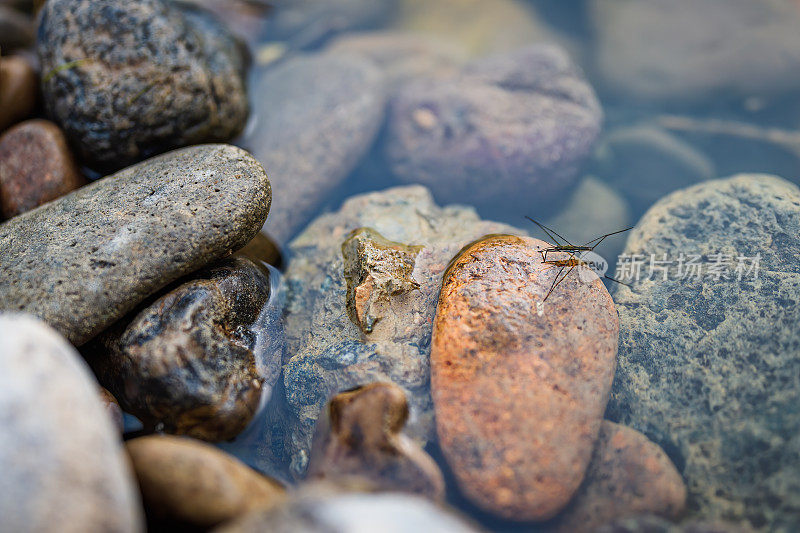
602,237
550,232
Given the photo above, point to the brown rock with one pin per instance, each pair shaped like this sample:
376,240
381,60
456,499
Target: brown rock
36,166
188,362
185,482
112,408
260,250
361,442
16,28
18,89
519,386
628,476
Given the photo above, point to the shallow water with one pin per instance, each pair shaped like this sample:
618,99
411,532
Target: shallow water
729,112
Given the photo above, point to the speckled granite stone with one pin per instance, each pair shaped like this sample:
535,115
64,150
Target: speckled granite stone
83,261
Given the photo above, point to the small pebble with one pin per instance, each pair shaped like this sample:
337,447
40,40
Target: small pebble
524,122
18,90
361,442
36,166
312,139
16,29
113,409
188,484
519,394
628,476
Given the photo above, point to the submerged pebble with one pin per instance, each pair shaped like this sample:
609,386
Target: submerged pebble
128,80
311,139
645,163
519,385
329,352
360,442
187,484
628,476
86,259
404,56
708,364
36,166
186,363
478,26
523,122
689,50
63,466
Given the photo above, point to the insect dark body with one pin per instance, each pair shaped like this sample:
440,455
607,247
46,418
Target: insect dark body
572,261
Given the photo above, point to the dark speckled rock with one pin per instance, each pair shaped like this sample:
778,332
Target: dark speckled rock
524,121
127,80
710,368
186,363
85,260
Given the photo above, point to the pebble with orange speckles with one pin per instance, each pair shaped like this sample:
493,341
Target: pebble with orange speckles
519,395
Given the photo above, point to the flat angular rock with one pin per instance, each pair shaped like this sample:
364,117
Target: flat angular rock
709,358
63,465
85,260
189,363
128,80
524,122
360,442
315,118
36,166
519,386
329,353
189,484
628,476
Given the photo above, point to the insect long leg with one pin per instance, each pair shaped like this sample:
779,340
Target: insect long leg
617,281
558,280
603,237
551,233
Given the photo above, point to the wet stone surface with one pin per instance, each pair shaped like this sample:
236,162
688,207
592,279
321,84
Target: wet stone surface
185,364
328,352
36,166
63,464
128,80
85,260
524,121
708,365
189,485
519,385
311,139
360,442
